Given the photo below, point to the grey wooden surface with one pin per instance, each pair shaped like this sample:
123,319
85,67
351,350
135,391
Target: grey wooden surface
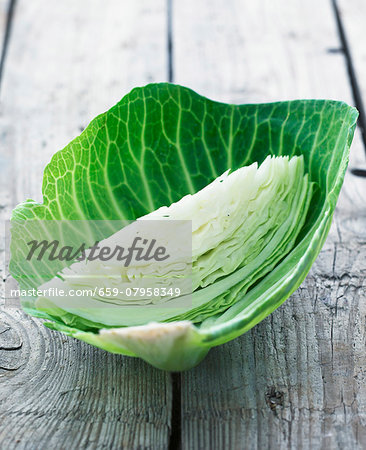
298,379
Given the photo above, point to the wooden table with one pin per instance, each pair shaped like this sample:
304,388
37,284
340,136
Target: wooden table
298,379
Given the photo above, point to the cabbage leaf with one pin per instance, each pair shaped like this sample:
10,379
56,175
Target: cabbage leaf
161,144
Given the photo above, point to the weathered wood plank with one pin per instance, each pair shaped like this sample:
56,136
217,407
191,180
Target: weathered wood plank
250,51
352,14
67,62
297,380
4,7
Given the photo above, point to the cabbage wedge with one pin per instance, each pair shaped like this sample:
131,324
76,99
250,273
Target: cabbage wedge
259,183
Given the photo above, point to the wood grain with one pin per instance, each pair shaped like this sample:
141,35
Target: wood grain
297,380
67,62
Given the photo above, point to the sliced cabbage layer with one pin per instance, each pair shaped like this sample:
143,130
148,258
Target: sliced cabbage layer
243,224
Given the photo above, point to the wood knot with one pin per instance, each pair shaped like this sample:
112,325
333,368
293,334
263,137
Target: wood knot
10,344
274,398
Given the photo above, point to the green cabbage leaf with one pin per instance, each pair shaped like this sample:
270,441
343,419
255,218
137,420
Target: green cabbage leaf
258,182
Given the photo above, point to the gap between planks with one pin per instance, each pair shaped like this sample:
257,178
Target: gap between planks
7,13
